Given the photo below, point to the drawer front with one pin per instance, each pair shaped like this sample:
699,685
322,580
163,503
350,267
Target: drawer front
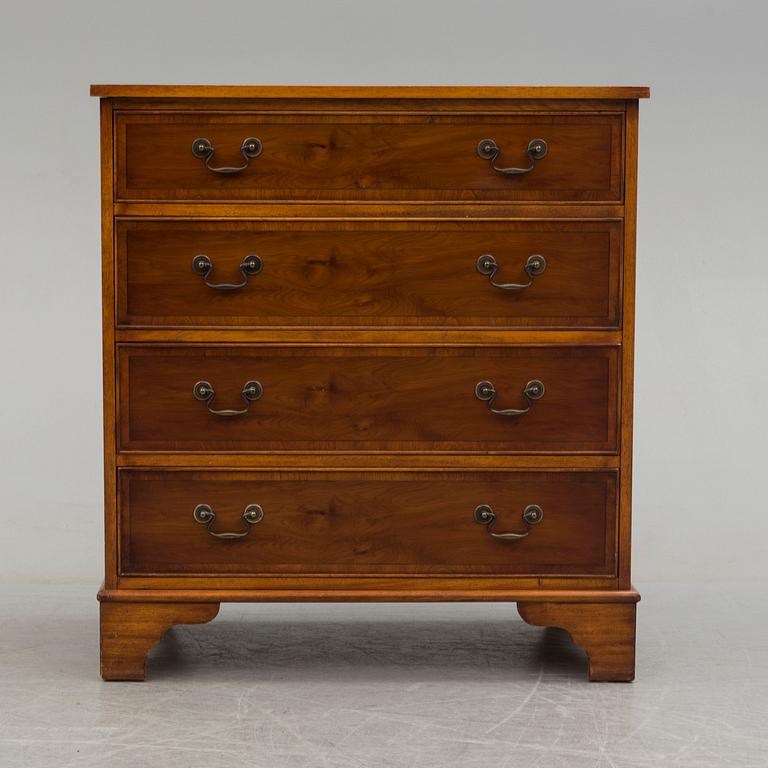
360,398
368,157
368,274
357,523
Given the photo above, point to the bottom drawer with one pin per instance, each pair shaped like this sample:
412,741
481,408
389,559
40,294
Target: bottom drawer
345,522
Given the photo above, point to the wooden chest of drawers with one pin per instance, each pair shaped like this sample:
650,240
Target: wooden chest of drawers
368,344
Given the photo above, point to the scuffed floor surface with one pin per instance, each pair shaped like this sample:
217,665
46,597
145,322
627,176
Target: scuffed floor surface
369,686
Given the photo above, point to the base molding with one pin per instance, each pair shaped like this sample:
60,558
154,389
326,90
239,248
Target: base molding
602,622
605,631
362,594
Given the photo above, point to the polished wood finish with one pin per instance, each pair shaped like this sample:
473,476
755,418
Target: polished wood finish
628,345
388,92
367,589
342,157
371,460
605,631
377,337
129,630
109,355
356,523
351,210
369,326
372,399
368,274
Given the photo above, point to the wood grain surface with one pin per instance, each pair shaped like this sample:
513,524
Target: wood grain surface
357,92
353,398
129,630
379,158
368,274
605,631
368,523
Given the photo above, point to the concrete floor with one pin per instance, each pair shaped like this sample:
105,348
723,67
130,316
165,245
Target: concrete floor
368,686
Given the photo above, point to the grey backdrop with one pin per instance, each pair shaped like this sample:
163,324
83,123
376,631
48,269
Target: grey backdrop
700,486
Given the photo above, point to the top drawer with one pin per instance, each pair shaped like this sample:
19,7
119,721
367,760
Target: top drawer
368,158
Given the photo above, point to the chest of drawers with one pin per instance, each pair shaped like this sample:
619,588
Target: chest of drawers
368,344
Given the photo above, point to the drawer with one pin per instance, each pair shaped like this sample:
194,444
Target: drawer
384,157
356,523
368,273
367,398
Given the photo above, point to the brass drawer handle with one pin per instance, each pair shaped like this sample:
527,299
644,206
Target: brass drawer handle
488,149
203,149
252,514
252,390
532,515
249,266
534,266
533,390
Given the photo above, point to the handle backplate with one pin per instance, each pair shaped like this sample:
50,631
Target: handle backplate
534,266
203,265
252,514
203,149
488,149
485,391
532,515
251,391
